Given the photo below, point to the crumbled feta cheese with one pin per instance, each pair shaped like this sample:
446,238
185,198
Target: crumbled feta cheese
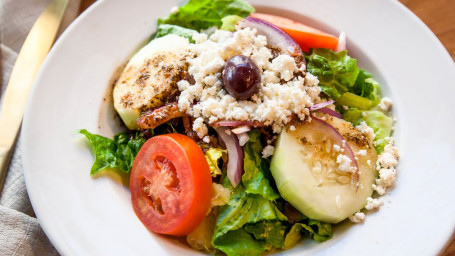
199,127
292,128
344,163
357,217
373,203
285,66
367,131
268,151
243,138
336,148
387,161
389,158
284,90
385,104
206,139
362,152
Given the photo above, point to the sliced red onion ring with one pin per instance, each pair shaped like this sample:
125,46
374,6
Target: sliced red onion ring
338,139
341,46
321,105
235,155
330,112
276,37
237,123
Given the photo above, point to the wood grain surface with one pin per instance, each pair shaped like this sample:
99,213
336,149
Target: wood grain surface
439,16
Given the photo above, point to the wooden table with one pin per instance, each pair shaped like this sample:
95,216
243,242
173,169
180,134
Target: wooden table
439,16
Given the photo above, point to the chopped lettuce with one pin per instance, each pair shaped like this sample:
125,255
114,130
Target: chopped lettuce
242,209
166,29
201,238
341,79
229,22
117,153
333,69
239,243
213,155
257,177
380,123
272,232
316,230
203,14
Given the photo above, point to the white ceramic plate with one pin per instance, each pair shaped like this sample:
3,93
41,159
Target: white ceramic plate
93,216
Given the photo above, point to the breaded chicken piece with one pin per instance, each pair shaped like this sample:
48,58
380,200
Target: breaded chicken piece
150,78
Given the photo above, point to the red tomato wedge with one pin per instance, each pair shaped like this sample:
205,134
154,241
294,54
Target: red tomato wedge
171,185
307,37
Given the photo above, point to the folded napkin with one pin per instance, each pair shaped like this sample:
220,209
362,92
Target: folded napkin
20,232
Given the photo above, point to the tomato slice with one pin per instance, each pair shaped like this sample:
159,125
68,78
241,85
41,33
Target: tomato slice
170,184
307,37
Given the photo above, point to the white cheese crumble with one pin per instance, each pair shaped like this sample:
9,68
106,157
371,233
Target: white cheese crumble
385,104
268,151
387,161
199,127
284,90
243,138
367,131
362,152
344,163
374,203
357,217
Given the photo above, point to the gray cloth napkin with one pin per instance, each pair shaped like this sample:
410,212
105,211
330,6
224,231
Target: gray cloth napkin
20,232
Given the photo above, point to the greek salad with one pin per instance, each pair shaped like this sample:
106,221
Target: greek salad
247,132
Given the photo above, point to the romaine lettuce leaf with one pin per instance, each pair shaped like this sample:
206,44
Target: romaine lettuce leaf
334,69
257,177
203,14
341,79
380,123
242,209
229,22
239,243
166,29
272,232
316,230
117,153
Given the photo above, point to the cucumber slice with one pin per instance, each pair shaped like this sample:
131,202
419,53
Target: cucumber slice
308,176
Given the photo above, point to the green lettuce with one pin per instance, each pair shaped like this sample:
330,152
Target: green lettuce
271,232
243,209
316,230
166,29
203,14
117,153
342,80
380,123
239,243
257,177
228,22
333,69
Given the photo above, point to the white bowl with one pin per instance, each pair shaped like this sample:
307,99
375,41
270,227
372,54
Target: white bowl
93,216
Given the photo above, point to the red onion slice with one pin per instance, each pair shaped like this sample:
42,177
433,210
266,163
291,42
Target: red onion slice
235,155
321,105
276,37
234,123
330,112
338,139
341,46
